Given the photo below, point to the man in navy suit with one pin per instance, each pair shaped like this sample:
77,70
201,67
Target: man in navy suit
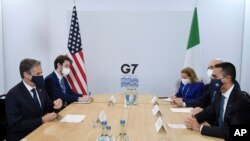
57,85
230,106
27,104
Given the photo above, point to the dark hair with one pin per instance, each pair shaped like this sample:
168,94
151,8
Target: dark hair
227,69
26,65
60,59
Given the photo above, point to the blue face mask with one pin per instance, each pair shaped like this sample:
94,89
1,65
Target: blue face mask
38,80
216,84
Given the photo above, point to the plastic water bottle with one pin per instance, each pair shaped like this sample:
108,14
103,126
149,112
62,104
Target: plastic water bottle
135,96
103,136
122,135
109,136
127,96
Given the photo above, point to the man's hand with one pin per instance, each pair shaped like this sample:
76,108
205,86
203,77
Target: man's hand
178,102
173,97
196,110
57,104
192,123
49,117
84,98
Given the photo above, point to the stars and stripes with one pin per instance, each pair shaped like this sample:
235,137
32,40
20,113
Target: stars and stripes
77,78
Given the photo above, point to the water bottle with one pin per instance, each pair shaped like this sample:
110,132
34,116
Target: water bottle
122,135
104,133
135,96
127,99
109,136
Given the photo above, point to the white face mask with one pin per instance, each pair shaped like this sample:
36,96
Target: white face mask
209,73
65,71
185,81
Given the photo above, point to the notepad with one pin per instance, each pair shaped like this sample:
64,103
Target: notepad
181,110
177,126
73,118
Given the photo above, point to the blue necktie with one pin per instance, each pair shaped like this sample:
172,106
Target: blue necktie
221,111
38,106
62,86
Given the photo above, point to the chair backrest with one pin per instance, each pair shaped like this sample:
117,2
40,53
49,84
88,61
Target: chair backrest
3,119
245,93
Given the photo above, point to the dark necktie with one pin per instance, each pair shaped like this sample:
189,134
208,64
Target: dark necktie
38,106
62,86
221,111
213,96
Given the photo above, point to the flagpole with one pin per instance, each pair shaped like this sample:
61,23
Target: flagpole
196,4
74,2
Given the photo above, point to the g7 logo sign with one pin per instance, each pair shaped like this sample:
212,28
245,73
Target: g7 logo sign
126,68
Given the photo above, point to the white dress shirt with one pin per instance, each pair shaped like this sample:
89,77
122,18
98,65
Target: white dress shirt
58,76
226,95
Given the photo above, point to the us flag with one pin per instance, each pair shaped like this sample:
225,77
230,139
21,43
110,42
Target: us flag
77,78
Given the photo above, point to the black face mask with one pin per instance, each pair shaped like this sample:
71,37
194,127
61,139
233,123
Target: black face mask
38,80
216,84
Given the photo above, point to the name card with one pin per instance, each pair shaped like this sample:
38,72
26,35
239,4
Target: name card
156,110
112,98
102,116
154,100
159,124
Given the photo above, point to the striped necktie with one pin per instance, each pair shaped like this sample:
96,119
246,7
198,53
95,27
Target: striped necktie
62,86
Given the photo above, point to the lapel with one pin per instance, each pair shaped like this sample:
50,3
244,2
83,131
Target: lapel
56,79
28,97
230,103
41,97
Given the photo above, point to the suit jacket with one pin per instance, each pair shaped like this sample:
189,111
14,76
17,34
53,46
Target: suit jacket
22,115
190,92
207,97
236,112
54,89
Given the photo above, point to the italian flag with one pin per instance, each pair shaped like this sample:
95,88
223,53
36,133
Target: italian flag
193,55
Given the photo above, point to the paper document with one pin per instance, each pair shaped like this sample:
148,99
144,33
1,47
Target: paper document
181,110
82,102
177,126
73,118
167,99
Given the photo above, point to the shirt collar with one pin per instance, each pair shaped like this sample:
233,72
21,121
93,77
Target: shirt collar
28,86
228,92
58,75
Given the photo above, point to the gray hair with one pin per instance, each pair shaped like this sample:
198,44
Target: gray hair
26,65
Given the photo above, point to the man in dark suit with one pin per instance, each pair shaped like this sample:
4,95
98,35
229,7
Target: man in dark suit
230,106
57,85
27,104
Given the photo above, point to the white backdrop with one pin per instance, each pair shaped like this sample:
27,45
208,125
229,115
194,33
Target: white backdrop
245,77
2,77
42,33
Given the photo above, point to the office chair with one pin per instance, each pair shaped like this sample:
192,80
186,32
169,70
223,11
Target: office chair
3,119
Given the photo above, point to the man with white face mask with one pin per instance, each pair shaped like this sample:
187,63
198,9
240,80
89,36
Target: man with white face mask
57,85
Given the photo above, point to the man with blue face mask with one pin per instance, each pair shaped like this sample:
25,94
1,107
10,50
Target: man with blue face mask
27,103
